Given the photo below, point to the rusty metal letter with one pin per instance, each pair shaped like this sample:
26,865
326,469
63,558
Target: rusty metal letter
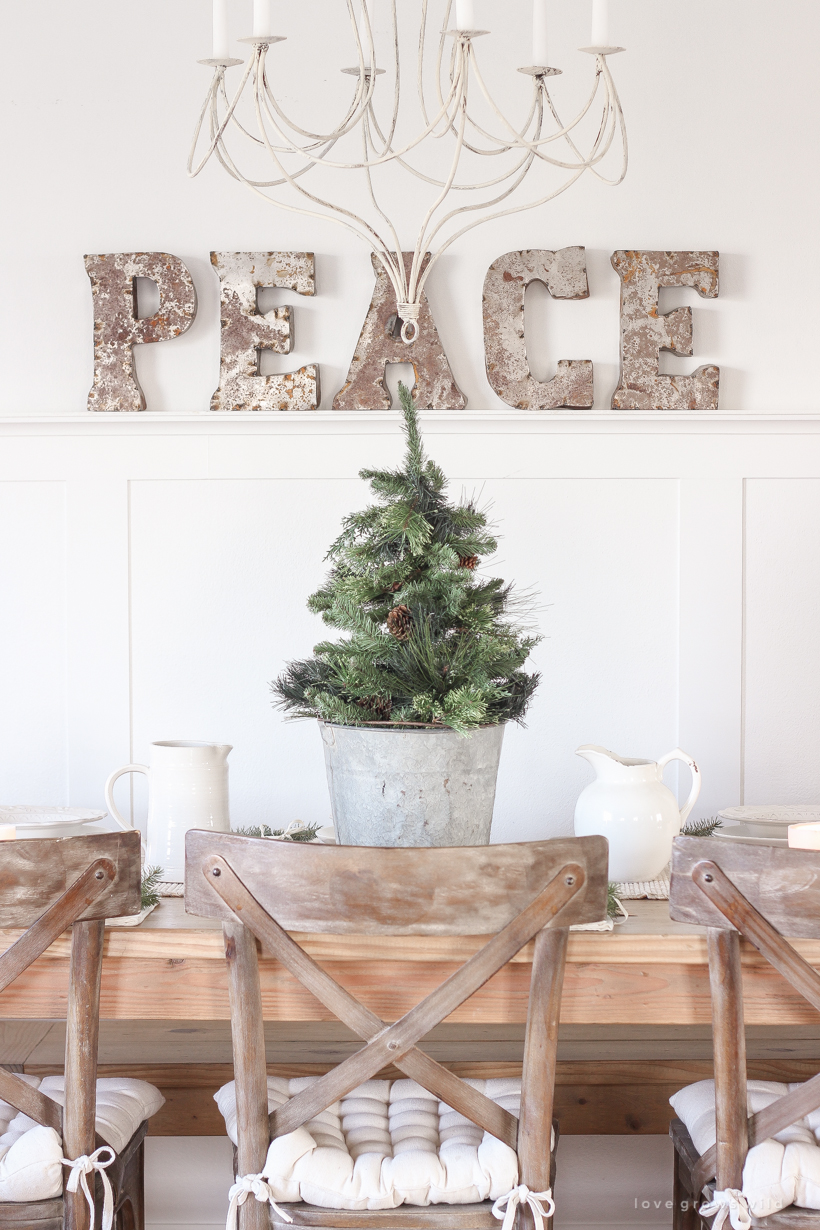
644,332
116,327
246,331
564,273
379,344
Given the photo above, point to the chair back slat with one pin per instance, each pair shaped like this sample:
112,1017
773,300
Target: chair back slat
540,1054
248,1034
35,873
783,885
30,1101
364,890
82,1037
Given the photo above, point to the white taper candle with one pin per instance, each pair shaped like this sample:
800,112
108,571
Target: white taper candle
220,30
465,15
600,23
261,18
540,50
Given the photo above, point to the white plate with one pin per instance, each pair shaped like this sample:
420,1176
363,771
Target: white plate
741,833
31,821
769,822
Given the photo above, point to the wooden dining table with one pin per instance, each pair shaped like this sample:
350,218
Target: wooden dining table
635,1014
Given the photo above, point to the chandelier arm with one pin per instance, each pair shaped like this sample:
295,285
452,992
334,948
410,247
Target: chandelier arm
504,147
362,228
421,242
606,136
502,213
220,71
556,136
615,104
378,208
355,166
465,209
226,161
438,183
365,85
387,140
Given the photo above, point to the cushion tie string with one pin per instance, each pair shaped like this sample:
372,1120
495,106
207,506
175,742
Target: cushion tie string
506,1207
730,1204
80,1170
251,1185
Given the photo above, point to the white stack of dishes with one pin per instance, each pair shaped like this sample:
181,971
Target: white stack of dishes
32,821
765,825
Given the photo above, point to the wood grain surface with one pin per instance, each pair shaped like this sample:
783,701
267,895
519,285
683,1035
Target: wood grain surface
650,973
366,890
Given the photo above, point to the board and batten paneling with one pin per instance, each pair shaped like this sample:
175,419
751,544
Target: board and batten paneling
33,745
154,570
782,676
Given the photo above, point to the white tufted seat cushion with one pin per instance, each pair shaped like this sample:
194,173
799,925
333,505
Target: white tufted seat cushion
781,1171
31,1156
386,1143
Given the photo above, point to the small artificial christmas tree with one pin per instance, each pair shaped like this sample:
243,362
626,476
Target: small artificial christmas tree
430,643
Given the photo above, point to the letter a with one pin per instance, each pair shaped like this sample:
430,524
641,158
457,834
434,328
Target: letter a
380,344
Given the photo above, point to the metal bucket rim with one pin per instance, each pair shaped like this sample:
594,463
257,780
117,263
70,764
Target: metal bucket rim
410,730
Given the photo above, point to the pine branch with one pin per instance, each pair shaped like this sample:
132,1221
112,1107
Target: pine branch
151,879
701,828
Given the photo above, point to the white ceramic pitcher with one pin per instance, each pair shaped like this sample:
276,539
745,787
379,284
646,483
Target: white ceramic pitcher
187,789
629,804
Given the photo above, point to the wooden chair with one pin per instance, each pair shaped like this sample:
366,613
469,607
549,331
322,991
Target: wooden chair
758,892
48,886
261,890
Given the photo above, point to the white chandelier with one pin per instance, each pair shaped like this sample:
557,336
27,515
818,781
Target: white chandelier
543,138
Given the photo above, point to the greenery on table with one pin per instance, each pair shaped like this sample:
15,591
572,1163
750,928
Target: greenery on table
701,828
430,641
264,830
149,889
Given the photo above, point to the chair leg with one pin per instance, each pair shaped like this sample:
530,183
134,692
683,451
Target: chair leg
131,1196
684,1213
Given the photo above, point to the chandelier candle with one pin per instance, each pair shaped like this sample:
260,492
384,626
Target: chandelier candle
221,29
261,18
539,34
600,23
465,15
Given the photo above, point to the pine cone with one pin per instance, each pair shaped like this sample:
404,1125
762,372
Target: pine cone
468,561
400,622
380,706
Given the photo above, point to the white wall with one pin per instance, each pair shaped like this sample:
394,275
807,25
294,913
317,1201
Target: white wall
99,101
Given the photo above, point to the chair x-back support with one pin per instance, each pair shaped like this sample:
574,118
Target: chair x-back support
511,893
760,893
48,886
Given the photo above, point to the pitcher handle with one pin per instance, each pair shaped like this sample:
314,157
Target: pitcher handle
109,792
696,780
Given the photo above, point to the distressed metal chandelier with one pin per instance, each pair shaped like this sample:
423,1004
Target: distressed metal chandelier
459,200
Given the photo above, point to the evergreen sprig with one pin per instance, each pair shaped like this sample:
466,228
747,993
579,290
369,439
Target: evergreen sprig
149,888
430,642
307,833
701,828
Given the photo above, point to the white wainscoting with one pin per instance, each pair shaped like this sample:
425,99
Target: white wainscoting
154,570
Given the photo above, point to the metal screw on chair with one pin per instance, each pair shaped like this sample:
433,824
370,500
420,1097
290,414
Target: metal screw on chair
217,871
392,1046
99,875
570,880
708,877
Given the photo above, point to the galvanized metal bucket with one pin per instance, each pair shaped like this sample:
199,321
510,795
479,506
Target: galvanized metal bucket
411,787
